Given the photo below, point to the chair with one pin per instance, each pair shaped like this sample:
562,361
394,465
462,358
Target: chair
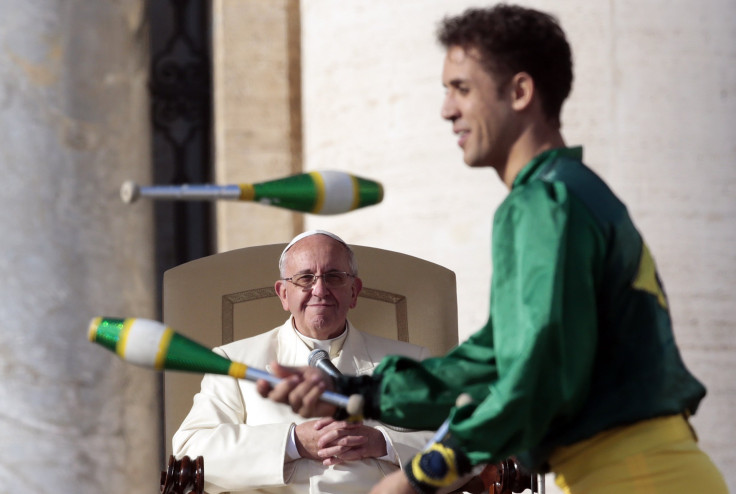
184,476
229,296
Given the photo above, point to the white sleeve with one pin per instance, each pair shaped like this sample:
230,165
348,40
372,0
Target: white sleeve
238,456
292,453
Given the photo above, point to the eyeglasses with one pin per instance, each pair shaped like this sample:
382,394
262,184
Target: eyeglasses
333,279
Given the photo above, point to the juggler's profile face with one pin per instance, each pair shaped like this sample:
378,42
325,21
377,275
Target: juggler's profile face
319,311
482,119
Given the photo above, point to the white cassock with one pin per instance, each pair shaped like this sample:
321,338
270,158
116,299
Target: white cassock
243,437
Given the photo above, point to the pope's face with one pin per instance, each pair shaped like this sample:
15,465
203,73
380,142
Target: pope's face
319,311
481,117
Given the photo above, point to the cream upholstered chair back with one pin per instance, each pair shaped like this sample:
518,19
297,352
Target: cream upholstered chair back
229,296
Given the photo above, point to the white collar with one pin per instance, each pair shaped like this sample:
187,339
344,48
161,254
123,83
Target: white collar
333,346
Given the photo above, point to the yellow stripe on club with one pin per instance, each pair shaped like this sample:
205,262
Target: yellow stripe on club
237,370
92,330
319,183
247,192
123,340
356,193
163,349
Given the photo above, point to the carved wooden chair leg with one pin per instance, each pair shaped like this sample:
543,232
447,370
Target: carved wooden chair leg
185,476
507,477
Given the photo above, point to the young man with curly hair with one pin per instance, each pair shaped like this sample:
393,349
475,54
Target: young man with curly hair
577,370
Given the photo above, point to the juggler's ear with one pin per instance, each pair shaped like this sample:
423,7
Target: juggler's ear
522,91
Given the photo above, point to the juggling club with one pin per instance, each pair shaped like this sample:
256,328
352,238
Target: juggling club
318,192
152,344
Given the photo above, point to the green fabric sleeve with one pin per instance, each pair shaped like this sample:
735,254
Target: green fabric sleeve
529,366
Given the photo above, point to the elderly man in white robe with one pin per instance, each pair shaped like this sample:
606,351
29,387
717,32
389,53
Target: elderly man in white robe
251,444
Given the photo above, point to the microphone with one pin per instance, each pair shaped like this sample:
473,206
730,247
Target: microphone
320,359
318,192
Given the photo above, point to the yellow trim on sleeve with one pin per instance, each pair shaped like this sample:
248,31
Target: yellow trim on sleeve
449,457
646,278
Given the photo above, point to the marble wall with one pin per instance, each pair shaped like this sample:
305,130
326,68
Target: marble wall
75,124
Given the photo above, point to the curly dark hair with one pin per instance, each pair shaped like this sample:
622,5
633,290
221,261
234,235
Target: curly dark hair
513,39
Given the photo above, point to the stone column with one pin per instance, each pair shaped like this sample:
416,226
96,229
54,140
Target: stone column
257,112
75,119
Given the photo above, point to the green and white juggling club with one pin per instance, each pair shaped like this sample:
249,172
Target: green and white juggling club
319,192
152,344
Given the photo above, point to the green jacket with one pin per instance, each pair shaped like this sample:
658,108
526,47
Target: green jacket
578,339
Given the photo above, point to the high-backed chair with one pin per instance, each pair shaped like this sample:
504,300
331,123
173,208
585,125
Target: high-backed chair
229,296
